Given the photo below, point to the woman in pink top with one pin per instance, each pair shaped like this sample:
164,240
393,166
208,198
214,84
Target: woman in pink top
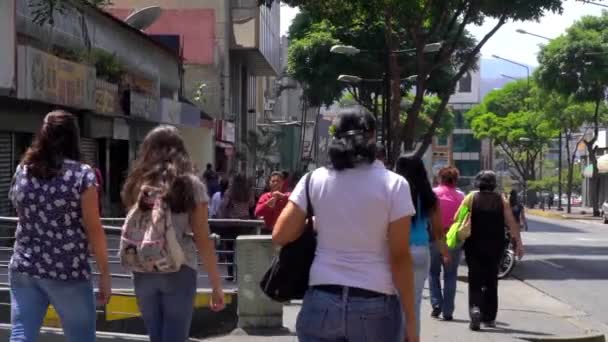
450,198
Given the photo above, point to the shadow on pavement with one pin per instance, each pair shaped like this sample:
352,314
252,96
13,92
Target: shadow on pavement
542,227
573,268
572,250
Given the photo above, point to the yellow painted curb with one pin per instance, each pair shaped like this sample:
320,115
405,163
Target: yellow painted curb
124,306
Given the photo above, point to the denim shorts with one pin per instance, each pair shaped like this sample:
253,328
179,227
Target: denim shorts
327,317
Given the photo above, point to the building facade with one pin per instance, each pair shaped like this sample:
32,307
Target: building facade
461,149
227,47
120,82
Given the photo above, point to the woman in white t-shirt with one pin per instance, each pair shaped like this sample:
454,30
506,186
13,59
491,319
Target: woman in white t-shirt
362,263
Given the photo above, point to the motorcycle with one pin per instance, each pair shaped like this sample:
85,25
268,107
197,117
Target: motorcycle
508,260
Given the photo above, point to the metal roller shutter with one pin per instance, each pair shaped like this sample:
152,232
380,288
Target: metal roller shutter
6,172
88,148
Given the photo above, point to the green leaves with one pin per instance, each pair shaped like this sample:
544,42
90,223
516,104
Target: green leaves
576,63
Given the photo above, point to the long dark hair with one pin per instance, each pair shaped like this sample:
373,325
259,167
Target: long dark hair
353,142
57,140
162,161
224,183
412,168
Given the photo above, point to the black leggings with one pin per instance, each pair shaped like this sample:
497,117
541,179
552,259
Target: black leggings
483,282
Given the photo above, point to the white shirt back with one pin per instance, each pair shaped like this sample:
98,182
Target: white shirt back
353,209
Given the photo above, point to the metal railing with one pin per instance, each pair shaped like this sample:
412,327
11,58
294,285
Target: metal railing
223,231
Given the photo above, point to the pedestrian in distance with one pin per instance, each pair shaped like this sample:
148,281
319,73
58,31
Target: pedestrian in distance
166,300
271,203
211,180
362,280
57,204
518,209
442,297
484,248
428,214
217,198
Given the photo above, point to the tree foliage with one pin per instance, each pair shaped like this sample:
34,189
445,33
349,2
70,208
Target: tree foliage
511,118
575,65
414,24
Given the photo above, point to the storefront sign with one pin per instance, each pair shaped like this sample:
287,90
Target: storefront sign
228,131
7,45
170,111
121,129
45,77
144,106
191,116
143,85
106,98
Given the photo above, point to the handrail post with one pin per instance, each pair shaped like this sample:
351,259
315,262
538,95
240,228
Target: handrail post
255,310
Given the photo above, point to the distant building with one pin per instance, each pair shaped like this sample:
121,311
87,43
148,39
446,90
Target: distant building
461,149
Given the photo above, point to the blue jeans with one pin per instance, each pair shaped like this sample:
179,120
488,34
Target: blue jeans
74,302
444,300
166,302
327,317
420,260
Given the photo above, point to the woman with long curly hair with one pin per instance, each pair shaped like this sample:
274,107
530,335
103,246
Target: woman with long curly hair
56,200
166,299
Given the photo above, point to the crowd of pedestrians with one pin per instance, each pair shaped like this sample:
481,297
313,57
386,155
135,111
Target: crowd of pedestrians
380,236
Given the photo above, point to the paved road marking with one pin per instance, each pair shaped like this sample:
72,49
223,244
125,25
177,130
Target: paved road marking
550,263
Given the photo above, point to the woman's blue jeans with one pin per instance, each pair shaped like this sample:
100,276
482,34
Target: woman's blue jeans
74,302
166,302
327,317
443,299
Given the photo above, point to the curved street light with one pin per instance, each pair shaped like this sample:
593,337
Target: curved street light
532,34
356,79
350,50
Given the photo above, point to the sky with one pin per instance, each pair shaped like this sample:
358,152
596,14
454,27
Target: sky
507,43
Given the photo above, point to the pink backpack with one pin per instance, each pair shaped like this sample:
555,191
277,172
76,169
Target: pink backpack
149,242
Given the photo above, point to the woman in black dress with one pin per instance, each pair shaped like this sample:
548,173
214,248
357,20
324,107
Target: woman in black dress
484,248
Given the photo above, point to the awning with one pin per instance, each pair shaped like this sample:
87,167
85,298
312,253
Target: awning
602,167
602,164
588,171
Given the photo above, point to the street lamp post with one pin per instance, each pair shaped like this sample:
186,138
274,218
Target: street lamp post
391,92
518,64
559,157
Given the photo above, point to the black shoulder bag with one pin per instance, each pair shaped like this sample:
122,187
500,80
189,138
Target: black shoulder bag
287,277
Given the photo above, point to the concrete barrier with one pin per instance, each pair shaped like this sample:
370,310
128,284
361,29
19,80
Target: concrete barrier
255,311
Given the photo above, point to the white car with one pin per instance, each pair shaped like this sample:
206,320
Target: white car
605,211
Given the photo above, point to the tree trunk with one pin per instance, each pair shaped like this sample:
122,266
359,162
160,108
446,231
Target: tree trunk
595,179
569,187
571,157
394,72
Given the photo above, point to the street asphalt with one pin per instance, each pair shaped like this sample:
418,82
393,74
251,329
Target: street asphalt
568,260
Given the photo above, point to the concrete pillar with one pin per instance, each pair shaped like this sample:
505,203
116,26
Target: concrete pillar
255,311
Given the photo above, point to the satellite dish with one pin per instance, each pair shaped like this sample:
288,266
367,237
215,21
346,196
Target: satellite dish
144,18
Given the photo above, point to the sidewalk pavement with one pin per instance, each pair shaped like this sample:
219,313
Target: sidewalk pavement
523,312
578,213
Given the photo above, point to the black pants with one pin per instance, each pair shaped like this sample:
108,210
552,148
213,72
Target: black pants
483,281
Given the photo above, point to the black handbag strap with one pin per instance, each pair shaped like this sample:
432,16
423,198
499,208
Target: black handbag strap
309,209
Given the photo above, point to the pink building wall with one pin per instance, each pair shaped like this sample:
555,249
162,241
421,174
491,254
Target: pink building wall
195,26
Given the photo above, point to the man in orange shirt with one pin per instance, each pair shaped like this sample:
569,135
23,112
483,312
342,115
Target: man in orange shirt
271,203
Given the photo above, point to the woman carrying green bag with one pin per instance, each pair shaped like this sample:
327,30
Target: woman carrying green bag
483,232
